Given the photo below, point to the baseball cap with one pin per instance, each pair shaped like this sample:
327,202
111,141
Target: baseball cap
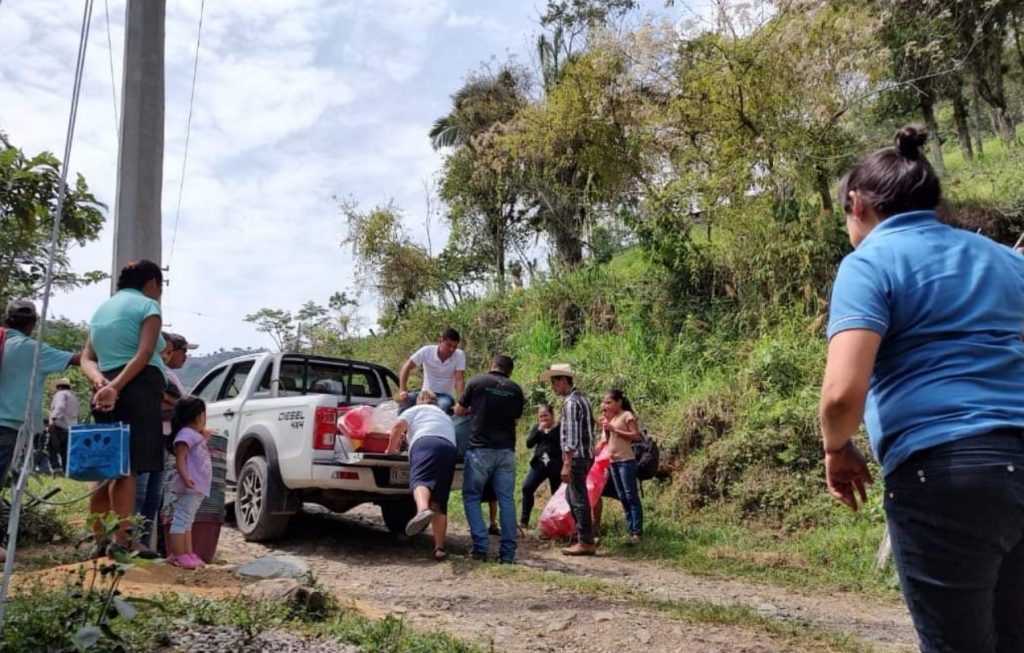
21,308
180,342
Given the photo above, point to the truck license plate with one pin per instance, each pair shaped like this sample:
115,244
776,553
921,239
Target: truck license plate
399,476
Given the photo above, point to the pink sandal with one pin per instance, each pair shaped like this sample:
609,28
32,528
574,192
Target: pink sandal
184,561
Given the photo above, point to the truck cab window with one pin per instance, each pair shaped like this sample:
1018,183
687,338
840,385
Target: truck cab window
236,379
291,378
209,387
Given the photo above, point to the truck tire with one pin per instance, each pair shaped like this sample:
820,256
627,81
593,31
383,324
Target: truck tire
252,503
397,514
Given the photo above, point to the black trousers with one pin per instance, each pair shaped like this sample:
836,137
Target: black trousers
579,502
57,447
551,473
956,518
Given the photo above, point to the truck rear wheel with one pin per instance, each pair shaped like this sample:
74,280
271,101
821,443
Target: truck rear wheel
252,503
397,514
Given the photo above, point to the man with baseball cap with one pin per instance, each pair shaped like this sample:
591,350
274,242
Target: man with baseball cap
174,355
17,349
149,485
577,452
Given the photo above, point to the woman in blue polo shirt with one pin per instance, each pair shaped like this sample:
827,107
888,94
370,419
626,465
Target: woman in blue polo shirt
122,359
925,347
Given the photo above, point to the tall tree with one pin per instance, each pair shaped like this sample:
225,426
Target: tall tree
484,205
924,44
579,149
313,328
28,197
983,28
571,21
955,92
401,271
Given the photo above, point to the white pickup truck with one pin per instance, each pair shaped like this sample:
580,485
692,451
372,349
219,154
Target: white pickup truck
279,413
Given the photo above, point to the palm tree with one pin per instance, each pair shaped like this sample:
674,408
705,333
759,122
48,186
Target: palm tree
446,133
478,106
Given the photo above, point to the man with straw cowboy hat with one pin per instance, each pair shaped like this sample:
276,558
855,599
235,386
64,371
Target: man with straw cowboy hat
577,452
63,414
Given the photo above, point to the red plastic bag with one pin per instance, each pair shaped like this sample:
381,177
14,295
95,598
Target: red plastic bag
556,519
355,423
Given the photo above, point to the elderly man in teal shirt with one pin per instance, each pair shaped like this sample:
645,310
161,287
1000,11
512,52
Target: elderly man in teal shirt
20,321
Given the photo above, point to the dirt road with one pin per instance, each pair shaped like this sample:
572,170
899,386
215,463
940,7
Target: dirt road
551,603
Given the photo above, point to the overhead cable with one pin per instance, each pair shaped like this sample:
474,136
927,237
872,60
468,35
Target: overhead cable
113,83
188,132
24,442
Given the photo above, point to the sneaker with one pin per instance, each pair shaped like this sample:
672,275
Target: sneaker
196,560
494,530
419,523
506,561
478,555
580,549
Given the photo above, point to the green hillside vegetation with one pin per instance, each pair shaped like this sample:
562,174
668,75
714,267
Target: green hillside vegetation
730,388
680,177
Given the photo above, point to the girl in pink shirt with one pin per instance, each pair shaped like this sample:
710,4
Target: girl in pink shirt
192,484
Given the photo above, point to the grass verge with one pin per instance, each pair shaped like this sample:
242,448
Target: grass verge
47,619
837,556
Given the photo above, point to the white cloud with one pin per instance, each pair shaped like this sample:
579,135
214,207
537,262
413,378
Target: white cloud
295,102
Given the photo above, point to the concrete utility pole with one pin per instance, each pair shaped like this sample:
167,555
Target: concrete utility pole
140,160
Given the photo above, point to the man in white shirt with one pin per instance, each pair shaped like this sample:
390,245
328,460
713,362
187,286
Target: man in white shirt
444,372
63,414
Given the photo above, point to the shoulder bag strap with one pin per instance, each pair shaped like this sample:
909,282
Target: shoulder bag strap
3,341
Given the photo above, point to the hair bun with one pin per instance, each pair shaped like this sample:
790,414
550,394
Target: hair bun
910,139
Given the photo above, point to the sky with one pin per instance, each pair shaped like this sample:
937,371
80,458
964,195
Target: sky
296,104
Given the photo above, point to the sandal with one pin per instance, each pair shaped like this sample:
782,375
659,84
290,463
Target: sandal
143,552
440,555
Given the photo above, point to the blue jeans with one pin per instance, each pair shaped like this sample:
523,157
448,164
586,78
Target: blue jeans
956,518
444,402
499,467
149,488
186,505
624,478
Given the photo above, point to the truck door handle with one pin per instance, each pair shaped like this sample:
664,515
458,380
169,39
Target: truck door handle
229,414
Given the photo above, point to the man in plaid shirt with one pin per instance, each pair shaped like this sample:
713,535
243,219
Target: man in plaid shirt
578,453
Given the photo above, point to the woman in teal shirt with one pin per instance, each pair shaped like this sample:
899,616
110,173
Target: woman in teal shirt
122,359
925,347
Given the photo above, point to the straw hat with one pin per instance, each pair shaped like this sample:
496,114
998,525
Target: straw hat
557,369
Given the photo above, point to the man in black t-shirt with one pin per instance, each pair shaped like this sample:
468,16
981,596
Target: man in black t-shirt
494,403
